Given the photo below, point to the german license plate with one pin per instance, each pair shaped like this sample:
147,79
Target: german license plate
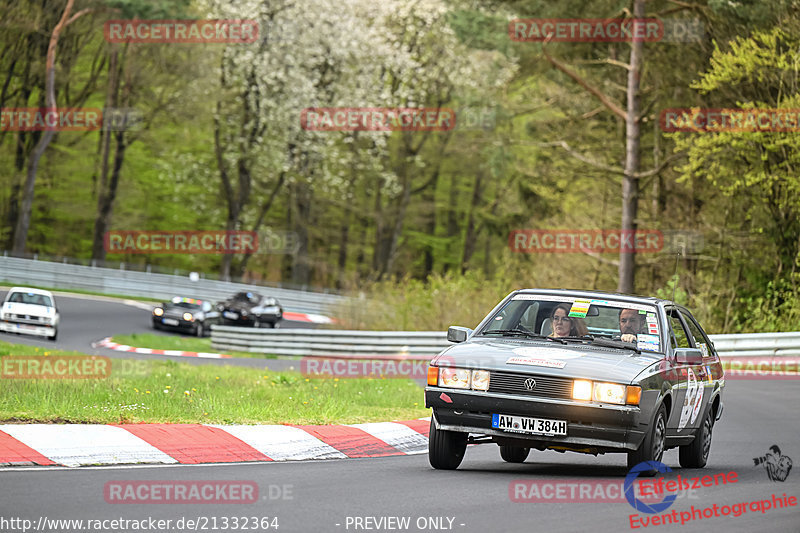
232,316
170,321
533,426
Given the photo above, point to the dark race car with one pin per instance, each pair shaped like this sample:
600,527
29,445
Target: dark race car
251,309
577,371
186,314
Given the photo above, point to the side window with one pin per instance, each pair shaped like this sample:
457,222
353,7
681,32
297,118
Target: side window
677,328
700,340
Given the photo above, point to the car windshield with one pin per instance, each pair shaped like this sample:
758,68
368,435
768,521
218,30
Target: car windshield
31,298
186,305
580,320
247,297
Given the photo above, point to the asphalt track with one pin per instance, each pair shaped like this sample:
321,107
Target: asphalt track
321,496
87,319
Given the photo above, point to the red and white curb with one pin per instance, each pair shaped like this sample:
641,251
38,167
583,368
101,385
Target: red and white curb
108,343
308,317
88,444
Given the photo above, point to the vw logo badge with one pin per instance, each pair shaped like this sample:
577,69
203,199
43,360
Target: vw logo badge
530,383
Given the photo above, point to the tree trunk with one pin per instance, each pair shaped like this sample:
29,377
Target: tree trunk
103,217
24,220
630,183
470,237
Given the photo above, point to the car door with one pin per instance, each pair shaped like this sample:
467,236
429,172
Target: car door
691,392
710,370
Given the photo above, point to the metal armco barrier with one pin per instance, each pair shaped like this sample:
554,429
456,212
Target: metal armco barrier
423,345
144,284
757,344
420,345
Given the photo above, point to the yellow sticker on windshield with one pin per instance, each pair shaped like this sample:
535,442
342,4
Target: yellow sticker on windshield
579,308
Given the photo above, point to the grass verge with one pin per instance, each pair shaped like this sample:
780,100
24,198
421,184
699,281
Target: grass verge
165,391
5,285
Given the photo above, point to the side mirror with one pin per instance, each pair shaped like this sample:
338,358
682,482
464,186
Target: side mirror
458,333
688,356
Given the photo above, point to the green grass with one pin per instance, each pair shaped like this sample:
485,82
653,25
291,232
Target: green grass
7,285
178,342
165,391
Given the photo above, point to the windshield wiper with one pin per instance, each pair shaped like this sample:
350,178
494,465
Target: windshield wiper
614,343
522,333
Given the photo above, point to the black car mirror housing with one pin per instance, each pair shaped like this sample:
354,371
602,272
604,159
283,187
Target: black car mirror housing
458,333
688,356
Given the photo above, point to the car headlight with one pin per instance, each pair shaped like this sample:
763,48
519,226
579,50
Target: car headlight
581,390
158,311
457,378
188,317
480,380
609,393
586,390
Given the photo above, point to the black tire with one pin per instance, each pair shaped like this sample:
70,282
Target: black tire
55,335
446,448
653,445
256,323
514,454
271,325
695,454
200,330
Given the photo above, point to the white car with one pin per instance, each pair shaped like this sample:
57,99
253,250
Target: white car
30,311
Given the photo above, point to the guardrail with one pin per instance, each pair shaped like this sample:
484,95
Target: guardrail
146,284
420,345
757,344
423,345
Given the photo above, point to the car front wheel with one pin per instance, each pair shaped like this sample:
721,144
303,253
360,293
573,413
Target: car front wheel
55,335
652,447
514,454
695,454
446,448
200,330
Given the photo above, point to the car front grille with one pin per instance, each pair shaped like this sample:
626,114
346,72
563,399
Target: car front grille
27,319
546,386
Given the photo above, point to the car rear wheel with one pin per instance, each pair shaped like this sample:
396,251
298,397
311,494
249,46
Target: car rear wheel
514,454
695,454
446,448
652,447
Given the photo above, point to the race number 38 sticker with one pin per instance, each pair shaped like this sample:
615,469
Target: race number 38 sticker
692,401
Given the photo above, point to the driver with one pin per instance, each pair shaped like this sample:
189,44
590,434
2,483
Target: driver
631,323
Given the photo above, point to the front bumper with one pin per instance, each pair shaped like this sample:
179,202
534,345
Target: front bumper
602,428
249,320
27,329
182,324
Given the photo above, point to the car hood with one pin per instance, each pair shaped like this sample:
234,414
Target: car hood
548,358
28,309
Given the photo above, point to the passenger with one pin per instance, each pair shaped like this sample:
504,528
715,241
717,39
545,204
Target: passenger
565,325
631,324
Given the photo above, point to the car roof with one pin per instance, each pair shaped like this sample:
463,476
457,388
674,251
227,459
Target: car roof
597,294
30,290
